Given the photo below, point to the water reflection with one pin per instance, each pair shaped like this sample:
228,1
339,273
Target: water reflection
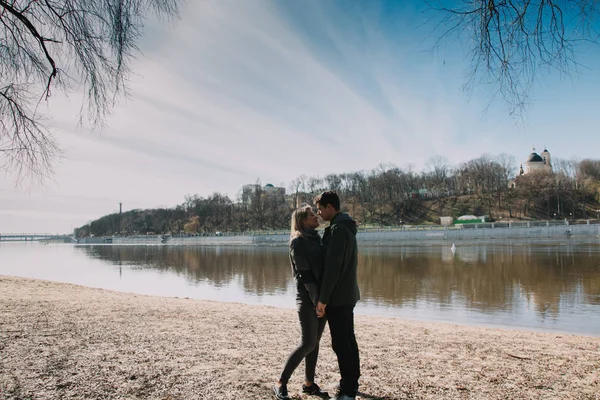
486,278
539,286
256,270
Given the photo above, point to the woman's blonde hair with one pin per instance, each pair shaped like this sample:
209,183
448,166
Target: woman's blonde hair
298,217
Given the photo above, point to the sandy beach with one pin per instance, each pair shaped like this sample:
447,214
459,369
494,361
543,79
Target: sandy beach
66,341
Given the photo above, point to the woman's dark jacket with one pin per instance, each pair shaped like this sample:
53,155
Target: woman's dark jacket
306,258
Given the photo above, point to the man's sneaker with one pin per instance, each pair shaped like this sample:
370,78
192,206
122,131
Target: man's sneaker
314,390
281,392
342,397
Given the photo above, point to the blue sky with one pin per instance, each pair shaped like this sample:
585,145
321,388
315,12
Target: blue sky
237,91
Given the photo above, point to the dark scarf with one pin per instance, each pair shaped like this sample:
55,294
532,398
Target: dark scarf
311,235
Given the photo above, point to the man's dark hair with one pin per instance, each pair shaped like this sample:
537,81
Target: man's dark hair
328,197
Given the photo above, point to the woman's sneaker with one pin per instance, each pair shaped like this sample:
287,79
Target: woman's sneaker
314,390
281,392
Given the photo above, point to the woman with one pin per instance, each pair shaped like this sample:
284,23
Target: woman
306,259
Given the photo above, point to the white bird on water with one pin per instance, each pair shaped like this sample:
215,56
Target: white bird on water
453,248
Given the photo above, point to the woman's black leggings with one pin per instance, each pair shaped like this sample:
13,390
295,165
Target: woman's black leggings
312,329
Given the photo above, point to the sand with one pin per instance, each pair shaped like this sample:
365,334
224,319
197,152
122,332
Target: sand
62,341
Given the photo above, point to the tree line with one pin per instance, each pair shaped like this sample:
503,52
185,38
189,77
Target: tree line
384,196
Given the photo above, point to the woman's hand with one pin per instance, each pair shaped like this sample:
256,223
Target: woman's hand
321,309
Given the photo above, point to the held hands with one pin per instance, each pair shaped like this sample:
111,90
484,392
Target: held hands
321,309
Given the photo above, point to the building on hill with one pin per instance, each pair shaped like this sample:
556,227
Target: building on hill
251,190
535,162
271,190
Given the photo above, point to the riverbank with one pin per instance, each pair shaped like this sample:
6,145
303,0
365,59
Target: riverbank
538,230
65,341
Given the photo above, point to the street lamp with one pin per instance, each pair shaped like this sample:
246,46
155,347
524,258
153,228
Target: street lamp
554,215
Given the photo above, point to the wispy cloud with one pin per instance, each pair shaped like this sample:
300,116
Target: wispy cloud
240,90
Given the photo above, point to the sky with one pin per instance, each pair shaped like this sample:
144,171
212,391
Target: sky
240,91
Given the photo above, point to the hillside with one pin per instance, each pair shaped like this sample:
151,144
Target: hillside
413,211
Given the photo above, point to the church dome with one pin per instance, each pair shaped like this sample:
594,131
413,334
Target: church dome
535,157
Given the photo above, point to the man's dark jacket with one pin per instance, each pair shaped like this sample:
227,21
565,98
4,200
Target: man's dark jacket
340,286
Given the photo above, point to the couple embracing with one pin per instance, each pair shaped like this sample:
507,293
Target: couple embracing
327,291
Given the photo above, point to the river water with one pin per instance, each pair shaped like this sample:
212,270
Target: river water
547,286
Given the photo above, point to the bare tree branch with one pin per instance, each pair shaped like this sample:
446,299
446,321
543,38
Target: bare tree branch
42,41
513,41
64,44
30,150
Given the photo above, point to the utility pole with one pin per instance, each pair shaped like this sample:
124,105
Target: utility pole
120,218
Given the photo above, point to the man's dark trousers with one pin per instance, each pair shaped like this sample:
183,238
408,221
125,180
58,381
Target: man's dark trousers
343,341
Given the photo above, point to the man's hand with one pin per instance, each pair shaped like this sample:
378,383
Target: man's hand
321,309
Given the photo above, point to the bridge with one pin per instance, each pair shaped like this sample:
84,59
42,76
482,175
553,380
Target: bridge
35,237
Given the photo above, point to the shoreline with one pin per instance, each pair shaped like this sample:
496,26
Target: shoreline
362,309
61,340
537,230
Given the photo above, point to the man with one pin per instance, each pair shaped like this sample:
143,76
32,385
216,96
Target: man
339,290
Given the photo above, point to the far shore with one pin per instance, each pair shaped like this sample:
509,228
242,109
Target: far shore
65,341
523,231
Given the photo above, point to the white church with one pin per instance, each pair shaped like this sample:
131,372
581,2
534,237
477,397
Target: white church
536,162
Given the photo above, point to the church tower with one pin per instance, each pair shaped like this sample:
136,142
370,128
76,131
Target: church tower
546,156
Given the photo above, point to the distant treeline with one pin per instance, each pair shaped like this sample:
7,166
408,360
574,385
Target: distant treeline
385,196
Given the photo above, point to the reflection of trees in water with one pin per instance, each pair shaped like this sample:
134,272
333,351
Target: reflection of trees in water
487,277
257,270
484,277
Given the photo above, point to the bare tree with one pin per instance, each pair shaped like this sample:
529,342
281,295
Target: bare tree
63,45
511,40
313,184
508,165
439,169
566,167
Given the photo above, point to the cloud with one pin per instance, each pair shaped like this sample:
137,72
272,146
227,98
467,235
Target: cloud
240,90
